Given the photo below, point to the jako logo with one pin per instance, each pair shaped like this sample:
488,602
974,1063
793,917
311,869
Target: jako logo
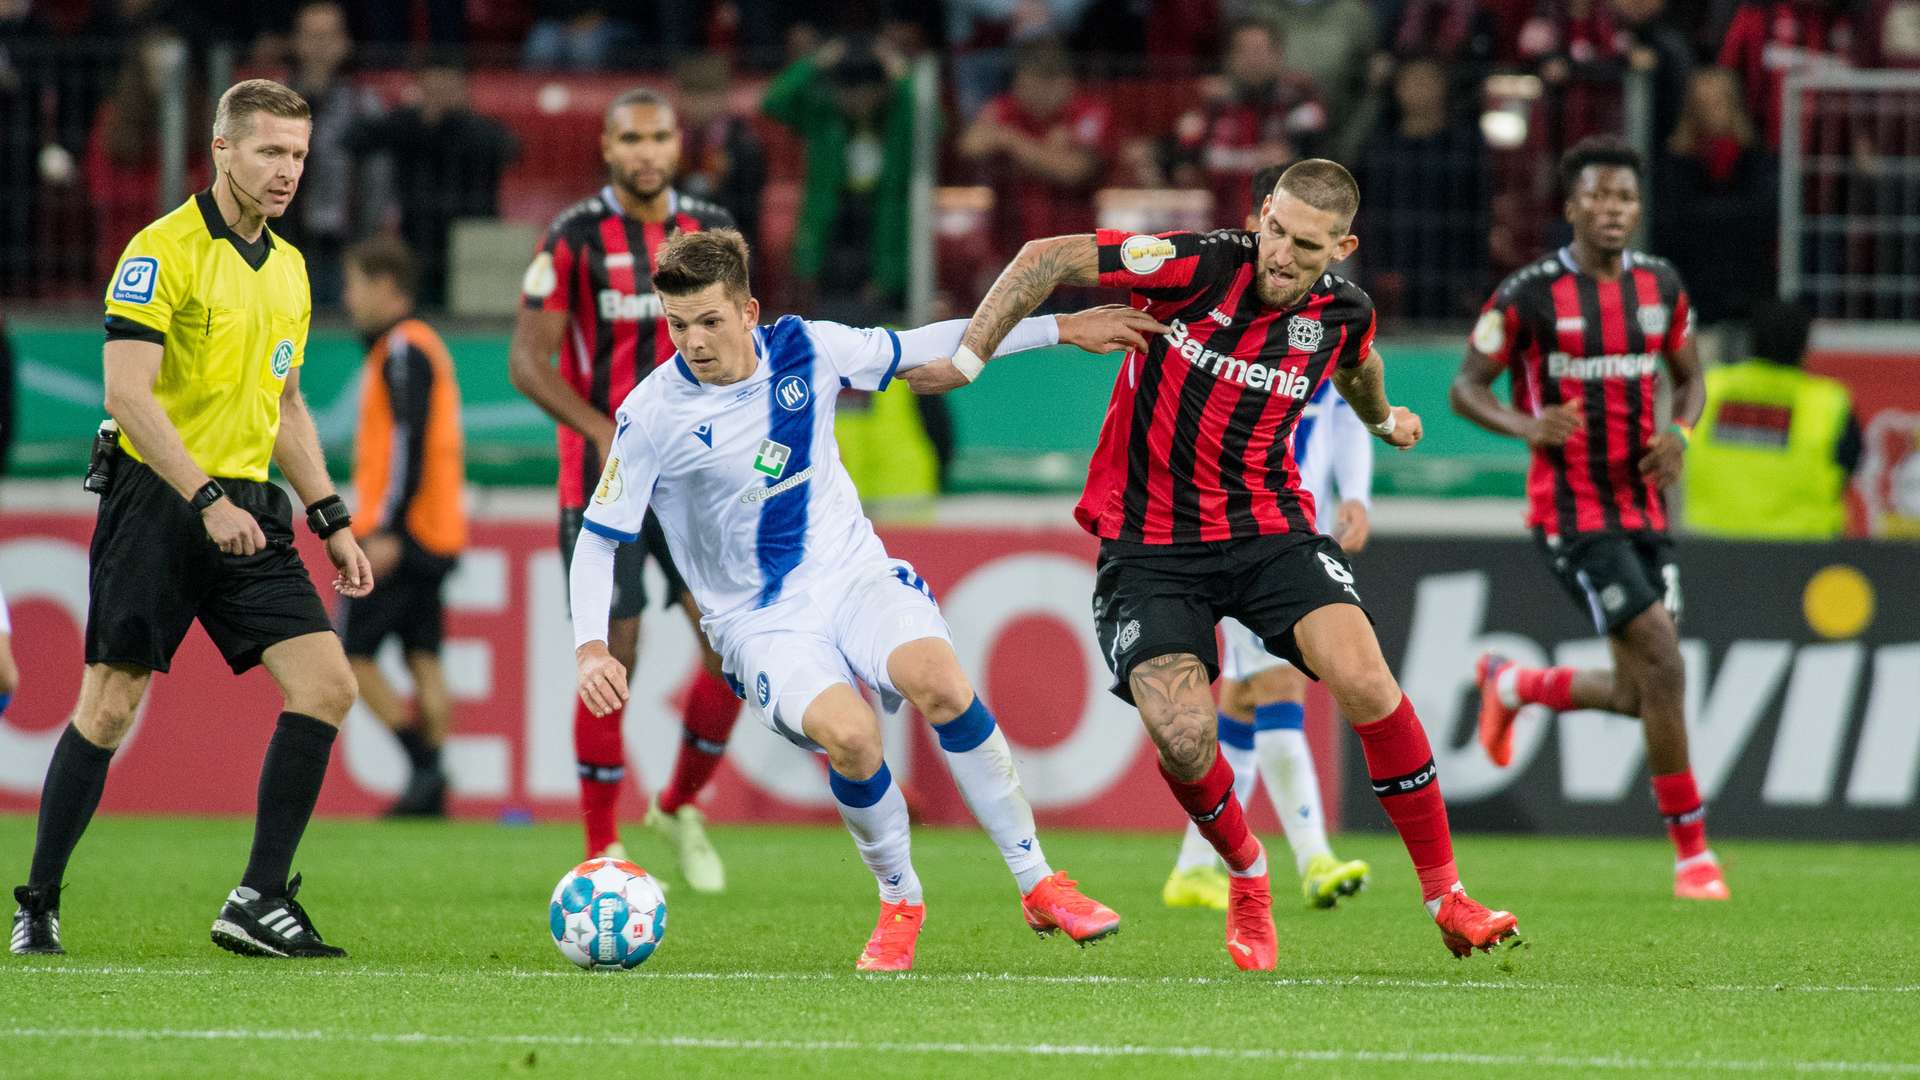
792,393
1235,370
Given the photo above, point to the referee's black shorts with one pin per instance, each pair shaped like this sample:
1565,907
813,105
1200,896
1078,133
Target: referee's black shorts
153,570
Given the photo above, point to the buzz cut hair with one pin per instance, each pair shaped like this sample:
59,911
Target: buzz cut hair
233,119
639,95
1607,151
1323,185
691,261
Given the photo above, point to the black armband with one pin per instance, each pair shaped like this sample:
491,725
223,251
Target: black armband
328,516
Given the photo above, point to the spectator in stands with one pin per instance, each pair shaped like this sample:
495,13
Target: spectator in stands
1467,34
1424,222
981,32
123,154
1769,39
1262,113
342,196
447,162
852,103
576,35
1714,203
1333,42
721,159
1043,147
1773,451
1585,48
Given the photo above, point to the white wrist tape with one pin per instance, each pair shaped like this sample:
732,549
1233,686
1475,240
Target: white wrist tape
1384,427
967,363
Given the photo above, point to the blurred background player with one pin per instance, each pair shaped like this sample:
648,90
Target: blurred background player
1263,699
408,473
588,294
1195,496
1582,331
797,591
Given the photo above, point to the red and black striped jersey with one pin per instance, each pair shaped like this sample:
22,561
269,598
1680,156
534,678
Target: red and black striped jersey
596,264
1565,335
1197,444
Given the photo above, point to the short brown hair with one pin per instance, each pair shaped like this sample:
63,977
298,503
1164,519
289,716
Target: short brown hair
691,261
234,117
1323,185
386,257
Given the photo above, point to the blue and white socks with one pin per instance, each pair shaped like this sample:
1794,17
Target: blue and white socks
1285,763
876,815
982,765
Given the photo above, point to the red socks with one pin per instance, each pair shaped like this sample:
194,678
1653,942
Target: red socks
1686,815
603,766
1210,802
1552,687
710,713
1401,764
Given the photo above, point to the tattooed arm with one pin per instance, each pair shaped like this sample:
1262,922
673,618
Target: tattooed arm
1365,387
1041,267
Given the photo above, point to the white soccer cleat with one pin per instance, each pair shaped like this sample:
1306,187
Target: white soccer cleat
686,830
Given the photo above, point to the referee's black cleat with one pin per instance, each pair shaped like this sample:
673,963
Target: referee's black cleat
425,796
255,925
36,926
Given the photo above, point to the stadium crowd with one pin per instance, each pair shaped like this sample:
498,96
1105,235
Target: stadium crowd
799,118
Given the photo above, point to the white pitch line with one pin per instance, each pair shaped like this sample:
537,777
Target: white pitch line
1352,982
1610,1062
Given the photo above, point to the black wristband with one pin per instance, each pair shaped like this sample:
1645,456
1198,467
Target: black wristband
328,516
210,492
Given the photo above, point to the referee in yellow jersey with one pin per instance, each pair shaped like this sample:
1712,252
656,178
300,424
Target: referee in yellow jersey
206,329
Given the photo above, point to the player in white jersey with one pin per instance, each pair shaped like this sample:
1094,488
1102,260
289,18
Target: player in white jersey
1262,697
9,674
731,445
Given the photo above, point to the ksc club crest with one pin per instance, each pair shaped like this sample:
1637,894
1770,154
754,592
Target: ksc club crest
1304,334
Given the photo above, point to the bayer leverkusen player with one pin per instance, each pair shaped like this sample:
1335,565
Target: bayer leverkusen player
1196,497
1583,332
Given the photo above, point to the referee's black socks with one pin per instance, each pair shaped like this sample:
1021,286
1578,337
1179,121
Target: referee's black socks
290,781
421,755
75,778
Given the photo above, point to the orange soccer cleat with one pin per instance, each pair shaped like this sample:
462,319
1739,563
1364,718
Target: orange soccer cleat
1056,903
1466,924
1496,719
1699,878
1251,939
894,936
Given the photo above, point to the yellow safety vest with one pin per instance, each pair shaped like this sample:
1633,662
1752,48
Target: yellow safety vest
886,450
1761,463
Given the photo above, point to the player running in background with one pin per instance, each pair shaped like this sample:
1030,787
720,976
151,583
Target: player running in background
589,295
1582,332
1262,697
1195,495
731,443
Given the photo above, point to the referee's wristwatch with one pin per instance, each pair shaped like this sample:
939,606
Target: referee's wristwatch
210,492
328,516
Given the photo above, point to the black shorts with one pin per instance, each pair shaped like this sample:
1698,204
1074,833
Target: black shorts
1154,599
1613,577
406,603
152,571
629,565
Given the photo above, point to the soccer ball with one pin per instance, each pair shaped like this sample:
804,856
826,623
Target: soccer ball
607,914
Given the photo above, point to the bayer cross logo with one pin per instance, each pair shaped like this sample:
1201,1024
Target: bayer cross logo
1304,334
792,393
1129,634
282,358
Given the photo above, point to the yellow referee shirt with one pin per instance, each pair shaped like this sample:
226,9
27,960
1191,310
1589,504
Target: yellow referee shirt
232,319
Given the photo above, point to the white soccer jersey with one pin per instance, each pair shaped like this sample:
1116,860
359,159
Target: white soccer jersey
1334,450
746,478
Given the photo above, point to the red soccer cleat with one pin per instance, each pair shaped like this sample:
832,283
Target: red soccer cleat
1496,719
1699,879
1251,939
1056,904
1466,924
894,936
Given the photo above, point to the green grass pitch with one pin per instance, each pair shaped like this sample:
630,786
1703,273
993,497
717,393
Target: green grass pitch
1814,968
